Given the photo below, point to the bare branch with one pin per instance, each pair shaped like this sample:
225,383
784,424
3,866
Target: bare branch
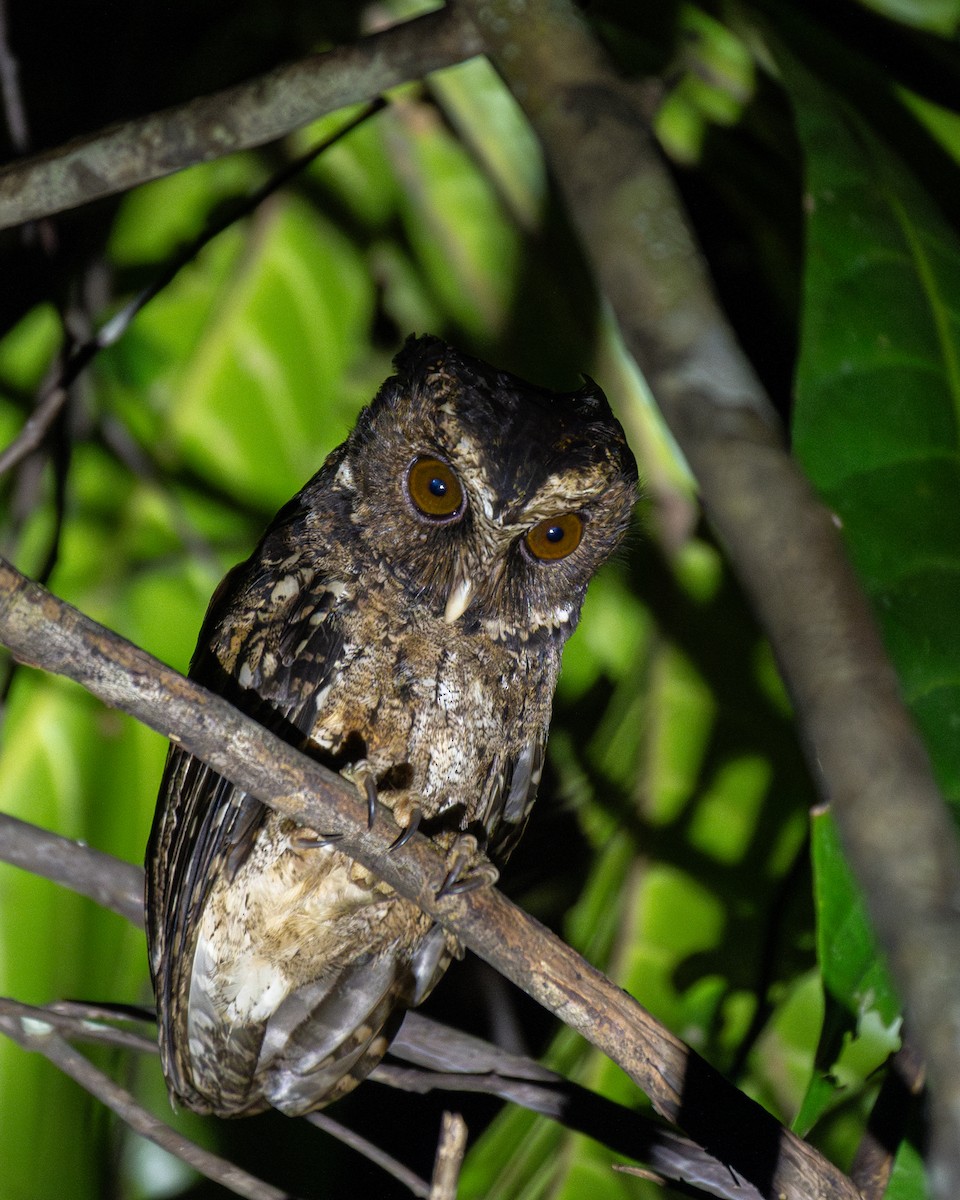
863,748
35,428
83,1023
450,1151
29,1028
239,118
43,631
111,883
386,1162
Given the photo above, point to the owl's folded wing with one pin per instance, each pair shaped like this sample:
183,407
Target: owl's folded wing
204,825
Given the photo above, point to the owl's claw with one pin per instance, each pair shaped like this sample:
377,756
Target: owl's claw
370,786
362,778
315,841
408,831
468,869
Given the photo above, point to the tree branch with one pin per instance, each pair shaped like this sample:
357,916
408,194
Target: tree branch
21,1024
861,744
239,118
446,1059
44,632
450,1151
111,883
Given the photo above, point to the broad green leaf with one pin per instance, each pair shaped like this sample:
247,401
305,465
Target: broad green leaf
253,406
861,1021
853,971
466,249
160,218
876,427
909,1179
878,395
936,16
492,124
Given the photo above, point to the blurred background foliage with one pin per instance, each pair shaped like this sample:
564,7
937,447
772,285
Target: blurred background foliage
816,146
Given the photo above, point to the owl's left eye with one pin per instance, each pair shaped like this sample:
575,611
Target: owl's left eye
434,489
555,538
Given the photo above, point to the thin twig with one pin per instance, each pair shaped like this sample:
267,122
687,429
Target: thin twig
409,1179
251,114
45,632
12,99
75,1022
53,399
24,1028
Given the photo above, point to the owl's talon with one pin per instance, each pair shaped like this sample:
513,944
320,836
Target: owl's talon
408,831
370,786
468,870
363,779
472,882
314,841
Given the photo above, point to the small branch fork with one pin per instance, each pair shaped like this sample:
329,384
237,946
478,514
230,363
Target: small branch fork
44,632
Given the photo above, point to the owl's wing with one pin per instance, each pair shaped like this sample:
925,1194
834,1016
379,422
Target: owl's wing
203,824
511,789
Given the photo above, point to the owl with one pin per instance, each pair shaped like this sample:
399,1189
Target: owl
402,621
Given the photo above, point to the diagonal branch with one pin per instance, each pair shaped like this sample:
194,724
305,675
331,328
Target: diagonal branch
43,631
239,118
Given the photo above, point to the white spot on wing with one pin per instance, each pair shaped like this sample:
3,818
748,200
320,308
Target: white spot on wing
285,590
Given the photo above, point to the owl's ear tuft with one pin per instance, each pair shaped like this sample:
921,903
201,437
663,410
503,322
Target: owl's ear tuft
419,353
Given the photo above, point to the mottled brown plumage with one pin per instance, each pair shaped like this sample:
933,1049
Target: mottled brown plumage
402,619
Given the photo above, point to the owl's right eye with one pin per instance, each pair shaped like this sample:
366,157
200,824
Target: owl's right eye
434,489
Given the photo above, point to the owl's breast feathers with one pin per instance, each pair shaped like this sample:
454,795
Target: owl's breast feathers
281,966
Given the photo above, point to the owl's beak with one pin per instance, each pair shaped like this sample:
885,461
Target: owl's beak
460,595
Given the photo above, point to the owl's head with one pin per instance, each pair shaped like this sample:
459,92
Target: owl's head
491,500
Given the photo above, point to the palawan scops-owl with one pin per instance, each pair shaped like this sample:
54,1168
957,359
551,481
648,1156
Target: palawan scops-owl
402,621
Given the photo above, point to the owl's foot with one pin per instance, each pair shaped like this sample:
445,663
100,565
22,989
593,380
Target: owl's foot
364,780
408,830
467,869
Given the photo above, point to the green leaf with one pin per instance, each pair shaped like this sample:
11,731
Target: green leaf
936,16
69,766
250,407
878,395
862,1016
909,1179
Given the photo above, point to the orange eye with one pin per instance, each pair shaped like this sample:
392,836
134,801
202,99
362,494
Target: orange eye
434,488
555,538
